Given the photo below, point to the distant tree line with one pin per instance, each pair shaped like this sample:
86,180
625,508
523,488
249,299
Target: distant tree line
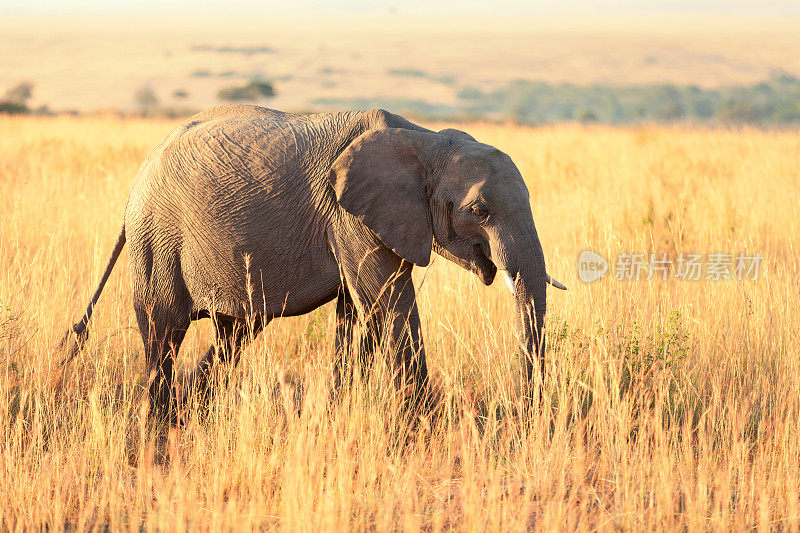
776,101
773,102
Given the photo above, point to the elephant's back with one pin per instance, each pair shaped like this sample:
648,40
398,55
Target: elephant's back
237,111
232,185
225,159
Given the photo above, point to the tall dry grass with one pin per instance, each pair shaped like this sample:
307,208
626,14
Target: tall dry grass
668,404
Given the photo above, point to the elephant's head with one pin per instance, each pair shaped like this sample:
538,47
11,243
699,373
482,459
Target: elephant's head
446,192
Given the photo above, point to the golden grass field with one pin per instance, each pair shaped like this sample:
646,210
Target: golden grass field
669,405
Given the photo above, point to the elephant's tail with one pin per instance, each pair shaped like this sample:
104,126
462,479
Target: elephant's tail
75,338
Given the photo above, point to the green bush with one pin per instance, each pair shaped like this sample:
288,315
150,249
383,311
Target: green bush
408,72
254,90
586,115
10,108
15,101
145,98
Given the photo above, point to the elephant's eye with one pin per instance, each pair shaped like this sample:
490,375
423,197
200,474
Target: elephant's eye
480,210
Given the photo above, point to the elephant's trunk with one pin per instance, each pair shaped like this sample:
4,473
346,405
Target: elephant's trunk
528,274
531,305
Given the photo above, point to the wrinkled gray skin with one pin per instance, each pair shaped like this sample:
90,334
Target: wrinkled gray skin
312,208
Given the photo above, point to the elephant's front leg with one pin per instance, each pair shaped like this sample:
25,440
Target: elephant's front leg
345,322
382,287
392,327
404,341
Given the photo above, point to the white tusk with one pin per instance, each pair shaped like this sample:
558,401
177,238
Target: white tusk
509,281
555,283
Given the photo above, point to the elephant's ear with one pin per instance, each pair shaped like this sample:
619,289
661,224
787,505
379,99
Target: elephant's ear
380,178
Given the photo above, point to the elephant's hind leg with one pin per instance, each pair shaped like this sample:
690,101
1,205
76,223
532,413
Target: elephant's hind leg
231,336
162,334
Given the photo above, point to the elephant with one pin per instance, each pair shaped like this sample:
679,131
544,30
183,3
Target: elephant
245,214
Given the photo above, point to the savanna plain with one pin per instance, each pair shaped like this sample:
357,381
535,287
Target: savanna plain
666,404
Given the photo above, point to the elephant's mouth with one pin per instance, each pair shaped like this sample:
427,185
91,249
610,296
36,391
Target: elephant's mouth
477,262
482,266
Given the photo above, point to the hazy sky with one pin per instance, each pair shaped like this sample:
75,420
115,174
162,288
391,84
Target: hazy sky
411,7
